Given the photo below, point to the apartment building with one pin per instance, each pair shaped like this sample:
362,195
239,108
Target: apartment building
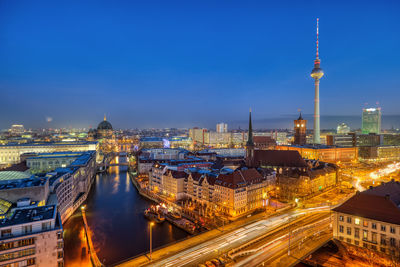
32,236
371,219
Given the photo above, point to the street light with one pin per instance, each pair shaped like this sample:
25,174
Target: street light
151,226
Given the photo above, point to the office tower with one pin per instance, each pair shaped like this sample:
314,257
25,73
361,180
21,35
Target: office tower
371,120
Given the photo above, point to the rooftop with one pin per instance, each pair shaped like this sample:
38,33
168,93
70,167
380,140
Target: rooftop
13,175
27,215
51,144
62,154
381,203
282,158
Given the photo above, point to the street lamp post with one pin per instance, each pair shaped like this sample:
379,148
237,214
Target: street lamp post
151,247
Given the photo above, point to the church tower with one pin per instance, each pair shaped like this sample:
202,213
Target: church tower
250,145
300,129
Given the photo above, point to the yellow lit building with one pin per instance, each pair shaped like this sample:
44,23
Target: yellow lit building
371,219
324,153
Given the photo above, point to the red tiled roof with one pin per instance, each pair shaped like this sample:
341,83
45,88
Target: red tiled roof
379,203
178,174
279,158
239,178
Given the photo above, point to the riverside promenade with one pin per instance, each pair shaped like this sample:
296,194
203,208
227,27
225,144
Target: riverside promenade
92,252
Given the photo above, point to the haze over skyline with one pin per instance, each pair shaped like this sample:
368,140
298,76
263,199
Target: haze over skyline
182,64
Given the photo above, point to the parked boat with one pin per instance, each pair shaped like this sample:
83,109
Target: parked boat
153,216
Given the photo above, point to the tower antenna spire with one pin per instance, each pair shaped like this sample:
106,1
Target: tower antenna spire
317,55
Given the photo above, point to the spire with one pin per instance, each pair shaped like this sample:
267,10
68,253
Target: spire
317,55
105,118
300,117
250,135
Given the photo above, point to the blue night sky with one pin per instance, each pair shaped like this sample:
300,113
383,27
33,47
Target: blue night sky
193,63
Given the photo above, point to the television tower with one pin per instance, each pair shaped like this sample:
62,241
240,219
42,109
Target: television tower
317,74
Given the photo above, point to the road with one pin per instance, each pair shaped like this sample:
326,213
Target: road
277,248
233,239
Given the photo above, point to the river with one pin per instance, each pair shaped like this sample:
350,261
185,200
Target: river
114,212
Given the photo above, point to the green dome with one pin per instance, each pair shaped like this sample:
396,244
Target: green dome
104,125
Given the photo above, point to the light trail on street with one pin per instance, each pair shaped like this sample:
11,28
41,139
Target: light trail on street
214,247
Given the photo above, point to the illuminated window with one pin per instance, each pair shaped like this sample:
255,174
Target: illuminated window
365,235
365,223
357,221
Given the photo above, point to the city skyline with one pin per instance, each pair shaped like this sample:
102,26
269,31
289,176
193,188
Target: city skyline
112,58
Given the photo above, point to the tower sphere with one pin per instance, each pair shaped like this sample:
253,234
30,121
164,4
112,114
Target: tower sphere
317,73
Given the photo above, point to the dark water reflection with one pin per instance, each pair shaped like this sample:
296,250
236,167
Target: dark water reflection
115,215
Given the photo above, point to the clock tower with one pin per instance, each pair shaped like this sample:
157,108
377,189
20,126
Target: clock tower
300,129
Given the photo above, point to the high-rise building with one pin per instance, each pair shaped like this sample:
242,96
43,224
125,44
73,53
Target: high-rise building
343,128
222,127
300,128
317,74
371,120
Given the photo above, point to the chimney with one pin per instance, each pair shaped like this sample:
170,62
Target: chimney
371,187
387,197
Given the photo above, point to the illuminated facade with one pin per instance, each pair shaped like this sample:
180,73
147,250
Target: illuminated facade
371,219
242,191
11,153
380,153
371,120
300,183
325,153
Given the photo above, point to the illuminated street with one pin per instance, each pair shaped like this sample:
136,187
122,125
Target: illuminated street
222,243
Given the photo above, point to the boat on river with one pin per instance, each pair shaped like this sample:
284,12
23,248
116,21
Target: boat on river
154,216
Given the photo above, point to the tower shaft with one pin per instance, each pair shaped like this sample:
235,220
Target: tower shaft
317,139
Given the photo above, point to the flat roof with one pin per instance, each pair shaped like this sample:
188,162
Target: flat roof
52,144
63,154
27,215
33,180
13,175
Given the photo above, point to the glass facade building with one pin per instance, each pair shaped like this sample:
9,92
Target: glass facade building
371,120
